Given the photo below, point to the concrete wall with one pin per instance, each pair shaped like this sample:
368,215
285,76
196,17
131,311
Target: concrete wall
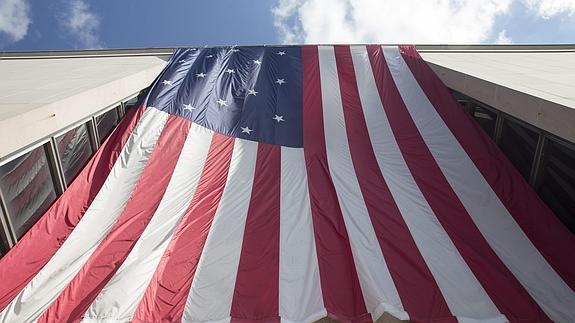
537,87
41,96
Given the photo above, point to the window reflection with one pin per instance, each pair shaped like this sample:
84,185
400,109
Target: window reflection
75,150
519,143
28,188
486,119
105,123
558,186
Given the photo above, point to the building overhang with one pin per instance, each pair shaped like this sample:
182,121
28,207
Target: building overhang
535,84
51,90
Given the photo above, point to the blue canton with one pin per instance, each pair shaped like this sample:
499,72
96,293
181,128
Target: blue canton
253,93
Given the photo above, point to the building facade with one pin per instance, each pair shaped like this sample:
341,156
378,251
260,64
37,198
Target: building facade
56,108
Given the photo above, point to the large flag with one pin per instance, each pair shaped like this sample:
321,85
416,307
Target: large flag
259,184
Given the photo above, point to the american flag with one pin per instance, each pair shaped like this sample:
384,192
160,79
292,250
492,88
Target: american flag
294,183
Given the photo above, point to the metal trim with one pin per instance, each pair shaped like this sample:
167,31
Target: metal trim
498,127
120,111
537,167
56,168
162,51
17,153
7,233
93,134
5,160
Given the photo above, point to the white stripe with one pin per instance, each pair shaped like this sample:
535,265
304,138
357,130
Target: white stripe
210,297
300,296
464,295
376,283
121,296
491,217
107,206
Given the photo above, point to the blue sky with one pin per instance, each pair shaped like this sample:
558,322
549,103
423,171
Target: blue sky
80,24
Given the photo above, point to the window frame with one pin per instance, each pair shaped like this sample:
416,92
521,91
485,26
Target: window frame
117,108
6,221
6,229
544,140
7,233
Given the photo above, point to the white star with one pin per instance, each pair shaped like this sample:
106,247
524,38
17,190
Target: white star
166,82
280,81
258,62
182,61
230,71
246,130
281,53
278,118
223,103
252,92
202,75
188,107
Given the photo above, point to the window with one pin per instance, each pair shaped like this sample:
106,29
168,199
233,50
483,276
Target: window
131,103
74,150
519,143
486,119
106,122
28,188
558,185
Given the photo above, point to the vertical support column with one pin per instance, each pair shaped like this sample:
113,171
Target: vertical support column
536,174
93,133
468,108
498,127
121,109
55,163
7,233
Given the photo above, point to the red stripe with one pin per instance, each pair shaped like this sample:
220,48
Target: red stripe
502,287
165,297
43,240
415,283
256,293
73,302
341,291
538,222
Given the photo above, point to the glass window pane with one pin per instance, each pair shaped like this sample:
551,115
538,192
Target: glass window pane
106,122
519,144
28,188
131,102
558,186
486,119
458,96
135,100
75,150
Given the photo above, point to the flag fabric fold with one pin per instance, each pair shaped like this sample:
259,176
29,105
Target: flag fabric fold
291,183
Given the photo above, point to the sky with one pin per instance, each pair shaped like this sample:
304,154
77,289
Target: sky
85,24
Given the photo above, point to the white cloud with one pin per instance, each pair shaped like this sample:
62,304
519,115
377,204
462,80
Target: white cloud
14,19
82,24
391,21
549,8
503,39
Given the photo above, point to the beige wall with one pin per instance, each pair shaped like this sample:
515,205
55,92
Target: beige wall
537,87
41,96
